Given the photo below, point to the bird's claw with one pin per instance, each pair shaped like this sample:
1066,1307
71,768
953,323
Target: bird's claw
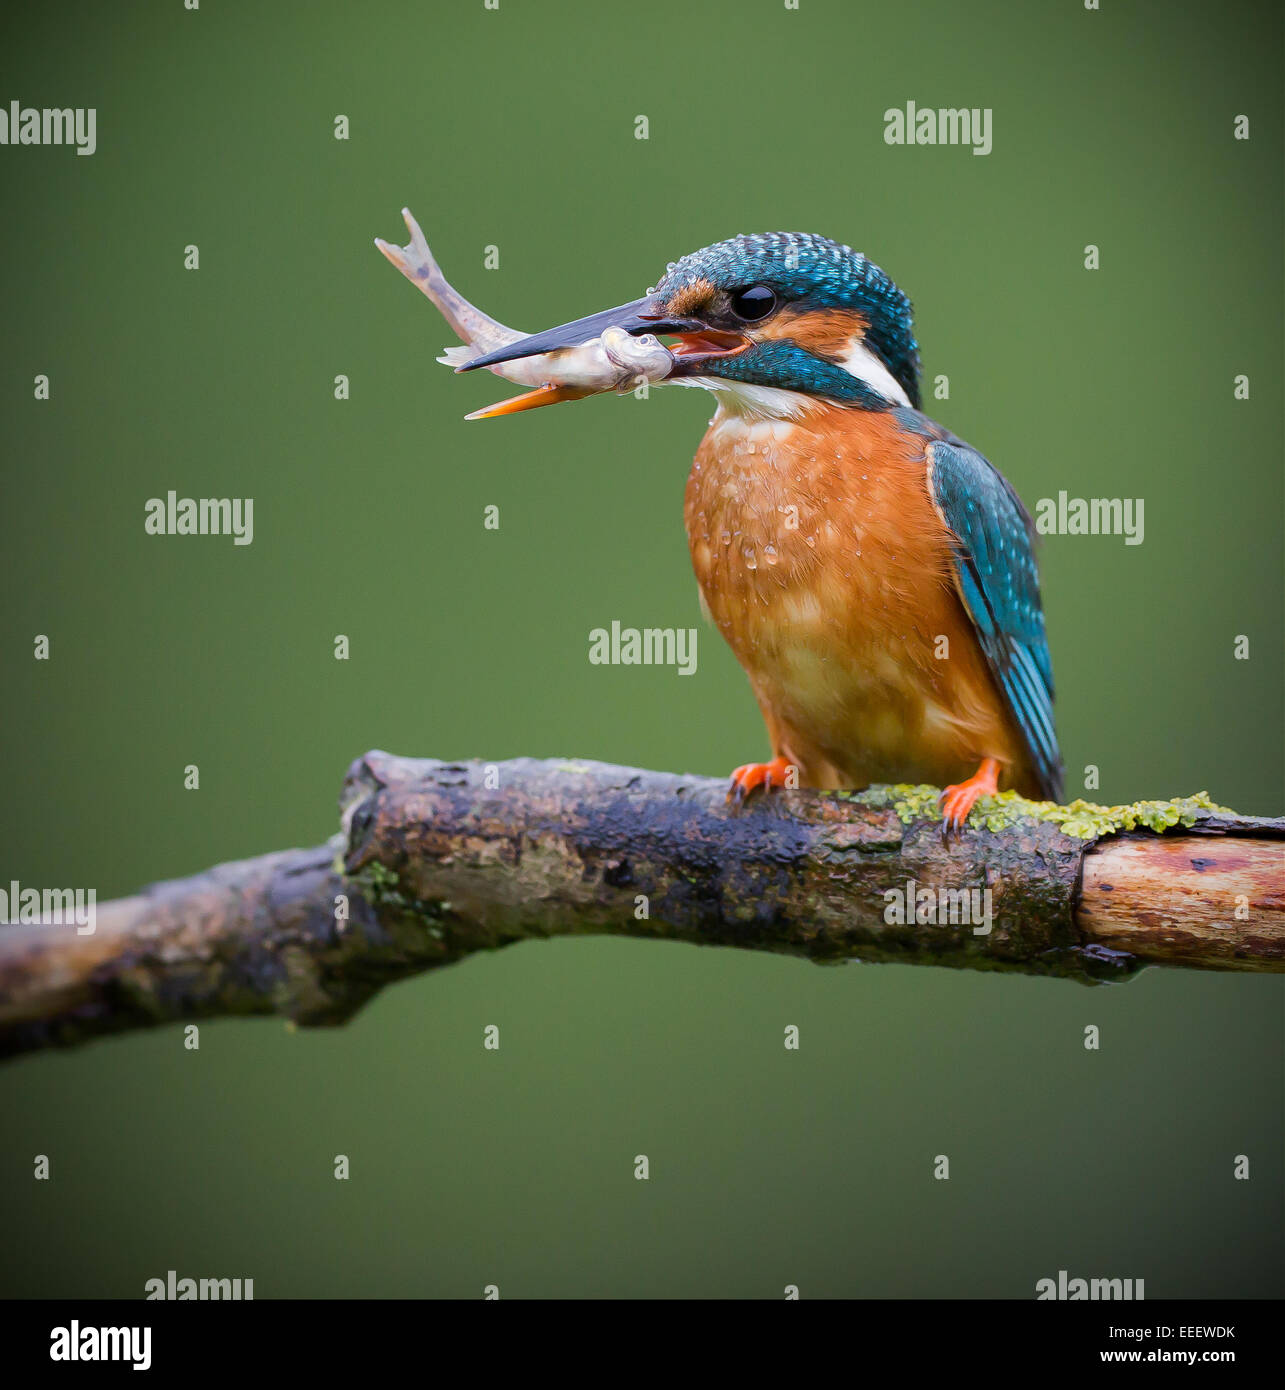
750,776
957,801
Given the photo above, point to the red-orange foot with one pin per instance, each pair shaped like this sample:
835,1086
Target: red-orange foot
958,801
746,779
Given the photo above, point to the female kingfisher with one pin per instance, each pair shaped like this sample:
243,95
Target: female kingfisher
873,574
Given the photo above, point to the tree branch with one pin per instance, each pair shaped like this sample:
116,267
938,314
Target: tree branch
439,860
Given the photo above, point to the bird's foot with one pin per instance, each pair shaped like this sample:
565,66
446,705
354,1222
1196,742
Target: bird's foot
767,775
957,801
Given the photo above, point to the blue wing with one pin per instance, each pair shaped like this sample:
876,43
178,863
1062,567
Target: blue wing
995,569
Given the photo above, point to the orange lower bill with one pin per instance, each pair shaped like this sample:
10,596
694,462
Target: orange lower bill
529,400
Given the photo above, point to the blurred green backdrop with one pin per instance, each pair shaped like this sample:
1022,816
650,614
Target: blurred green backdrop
515,128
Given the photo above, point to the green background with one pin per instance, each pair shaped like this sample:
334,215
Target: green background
516,128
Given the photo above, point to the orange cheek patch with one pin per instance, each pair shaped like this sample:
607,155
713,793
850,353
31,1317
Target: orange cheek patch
689,298
828,332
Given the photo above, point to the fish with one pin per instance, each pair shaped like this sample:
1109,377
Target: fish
613,361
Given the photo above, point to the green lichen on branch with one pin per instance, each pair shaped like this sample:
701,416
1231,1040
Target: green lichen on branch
379,884
1083,820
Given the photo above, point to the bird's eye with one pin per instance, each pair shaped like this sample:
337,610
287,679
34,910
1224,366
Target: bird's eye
757,302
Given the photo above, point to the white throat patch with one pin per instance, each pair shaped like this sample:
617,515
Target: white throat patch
756,402
861,363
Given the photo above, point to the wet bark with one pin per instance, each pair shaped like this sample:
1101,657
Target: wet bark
436,861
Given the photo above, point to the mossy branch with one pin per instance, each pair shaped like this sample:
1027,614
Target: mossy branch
436,861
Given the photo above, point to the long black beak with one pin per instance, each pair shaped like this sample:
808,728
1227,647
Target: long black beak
642,316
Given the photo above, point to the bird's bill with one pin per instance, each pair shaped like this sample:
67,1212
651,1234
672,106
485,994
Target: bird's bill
568,335
529,400
698,342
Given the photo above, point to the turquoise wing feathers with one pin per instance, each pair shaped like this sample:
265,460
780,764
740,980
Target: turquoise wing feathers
999,584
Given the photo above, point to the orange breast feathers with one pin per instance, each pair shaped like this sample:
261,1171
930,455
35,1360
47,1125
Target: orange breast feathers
823,562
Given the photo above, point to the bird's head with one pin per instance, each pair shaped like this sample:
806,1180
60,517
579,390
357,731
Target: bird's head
773,320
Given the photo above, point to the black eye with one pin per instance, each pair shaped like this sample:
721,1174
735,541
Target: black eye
755,303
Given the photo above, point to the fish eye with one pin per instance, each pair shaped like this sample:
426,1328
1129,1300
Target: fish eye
757,302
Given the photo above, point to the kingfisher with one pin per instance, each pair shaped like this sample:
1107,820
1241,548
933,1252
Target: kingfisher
874,575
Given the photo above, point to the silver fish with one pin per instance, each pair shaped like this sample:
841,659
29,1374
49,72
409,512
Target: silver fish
614,361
